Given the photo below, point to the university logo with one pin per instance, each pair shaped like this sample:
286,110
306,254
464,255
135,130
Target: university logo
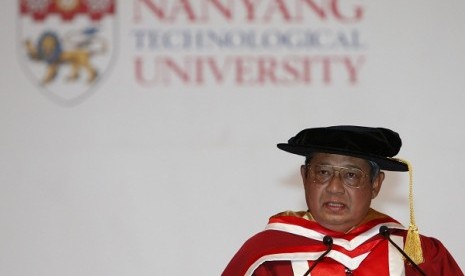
66,46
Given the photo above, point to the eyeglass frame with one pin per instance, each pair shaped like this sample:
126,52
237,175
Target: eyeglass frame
364,174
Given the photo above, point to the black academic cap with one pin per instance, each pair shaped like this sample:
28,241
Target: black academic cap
379,145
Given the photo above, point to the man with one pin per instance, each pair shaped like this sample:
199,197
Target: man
340,234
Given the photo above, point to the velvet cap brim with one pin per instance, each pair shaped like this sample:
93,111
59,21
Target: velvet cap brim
379,145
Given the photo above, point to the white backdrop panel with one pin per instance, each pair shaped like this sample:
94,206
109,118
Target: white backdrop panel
171,179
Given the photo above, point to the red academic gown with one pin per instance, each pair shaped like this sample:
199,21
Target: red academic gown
290,244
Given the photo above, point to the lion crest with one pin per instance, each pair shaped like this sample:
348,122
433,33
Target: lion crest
66,47
49,50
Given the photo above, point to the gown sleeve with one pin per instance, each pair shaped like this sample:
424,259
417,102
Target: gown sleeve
438,260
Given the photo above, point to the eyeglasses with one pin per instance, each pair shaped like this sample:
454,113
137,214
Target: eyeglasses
351,177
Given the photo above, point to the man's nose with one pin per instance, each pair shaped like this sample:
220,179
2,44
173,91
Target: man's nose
335,184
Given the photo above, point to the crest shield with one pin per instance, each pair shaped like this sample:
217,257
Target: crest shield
66,46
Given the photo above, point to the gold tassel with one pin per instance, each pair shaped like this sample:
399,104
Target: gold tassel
412,242
412,245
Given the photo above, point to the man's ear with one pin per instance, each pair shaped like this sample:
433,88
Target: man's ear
303,172
376,187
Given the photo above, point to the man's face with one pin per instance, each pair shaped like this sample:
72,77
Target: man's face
333,204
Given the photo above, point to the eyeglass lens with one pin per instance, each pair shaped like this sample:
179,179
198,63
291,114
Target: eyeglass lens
349,176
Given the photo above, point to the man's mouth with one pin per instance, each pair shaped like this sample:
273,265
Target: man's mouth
335,206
